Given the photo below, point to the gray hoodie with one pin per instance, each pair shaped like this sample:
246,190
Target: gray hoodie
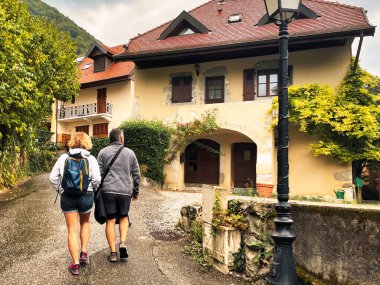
57,171
124,175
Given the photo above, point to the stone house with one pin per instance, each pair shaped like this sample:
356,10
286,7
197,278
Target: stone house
224,55
221,55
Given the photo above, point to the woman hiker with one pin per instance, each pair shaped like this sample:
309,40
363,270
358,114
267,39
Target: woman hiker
75,176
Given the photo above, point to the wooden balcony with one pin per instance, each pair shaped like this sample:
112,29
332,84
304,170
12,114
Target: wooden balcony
86,112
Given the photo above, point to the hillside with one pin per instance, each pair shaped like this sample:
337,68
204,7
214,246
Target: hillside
81,37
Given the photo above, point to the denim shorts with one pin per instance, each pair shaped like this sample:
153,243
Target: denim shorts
81,204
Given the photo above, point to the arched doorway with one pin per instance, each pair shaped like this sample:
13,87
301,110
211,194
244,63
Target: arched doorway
244,158
202,162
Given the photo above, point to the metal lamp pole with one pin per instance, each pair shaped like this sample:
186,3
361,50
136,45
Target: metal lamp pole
282,269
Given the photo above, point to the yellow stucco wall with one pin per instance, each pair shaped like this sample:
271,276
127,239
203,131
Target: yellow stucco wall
251,119
120,95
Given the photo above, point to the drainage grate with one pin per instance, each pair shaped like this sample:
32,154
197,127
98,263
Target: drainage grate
166,235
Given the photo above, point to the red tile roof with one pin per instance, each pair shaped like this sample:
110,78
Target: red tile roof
334,18
114,71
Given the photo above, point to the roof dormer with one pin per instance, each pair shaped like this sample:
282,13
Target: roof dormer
102,56
184,24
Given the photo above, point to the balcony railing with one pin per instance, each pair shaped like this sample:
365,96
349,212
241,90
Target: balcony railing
83,110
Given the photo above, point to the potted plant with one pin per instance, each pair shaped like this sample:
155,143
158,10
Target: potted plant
264,190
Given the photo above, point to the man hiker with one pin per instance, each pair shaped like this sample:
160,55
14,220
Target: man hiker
119,186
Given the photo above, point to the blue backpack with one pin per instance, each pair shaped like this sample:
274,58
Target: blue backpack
75,178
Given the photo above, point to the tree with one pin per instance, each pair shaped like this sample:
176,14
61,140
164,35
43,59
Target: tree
37,64
346,120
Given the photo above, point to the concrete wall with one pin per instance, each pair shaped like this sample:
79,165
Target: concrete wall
247,119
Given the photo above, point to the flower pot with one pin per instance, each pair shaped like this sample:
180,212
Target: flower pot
264,190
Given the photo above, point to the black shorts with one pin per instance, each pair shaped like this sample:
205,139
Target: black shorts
117,206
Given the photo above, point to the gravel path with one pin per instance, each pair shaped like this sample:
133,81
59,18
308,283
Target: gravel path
33,248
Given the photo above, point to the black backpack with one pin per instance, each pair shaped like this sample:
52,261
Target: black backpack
75,178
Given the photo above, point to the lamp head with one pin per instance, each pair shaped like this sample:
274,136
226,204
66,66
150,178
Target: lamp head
281,10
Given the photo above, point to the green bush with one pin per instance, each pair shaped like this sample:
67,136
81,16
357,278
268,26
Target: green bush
150,142
39,160
98,144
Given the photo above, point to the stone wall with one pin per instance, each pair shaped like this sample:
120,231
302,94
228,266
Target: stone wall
338,244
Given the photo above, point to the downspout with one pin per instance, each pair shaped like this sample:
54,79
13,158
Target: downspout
358,52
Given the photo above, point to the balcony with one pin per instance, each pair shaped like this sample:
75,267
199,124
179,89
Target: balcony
86,112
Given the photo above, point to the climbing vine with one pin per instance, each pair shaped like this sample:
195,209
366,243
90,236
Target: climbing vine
185,133
346,120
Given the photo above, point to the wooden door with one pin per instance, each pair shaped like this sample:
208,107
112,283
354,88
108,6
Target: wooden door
244,157
102,100
202,162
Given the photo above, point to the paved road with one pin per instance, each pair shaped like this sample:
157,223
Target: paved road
33,246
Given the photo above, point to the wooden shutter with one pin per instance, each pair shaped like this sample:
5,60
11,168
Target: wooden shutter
186,89
100,130
248,84
99,63
84,129
176,90
102,100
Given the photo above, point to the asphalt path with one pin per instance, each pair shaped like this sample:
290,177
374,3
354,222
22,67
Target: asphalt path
33,246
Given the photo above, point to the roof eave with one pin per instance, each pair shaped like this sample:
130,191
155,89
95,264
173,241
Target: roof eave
268,43
105,81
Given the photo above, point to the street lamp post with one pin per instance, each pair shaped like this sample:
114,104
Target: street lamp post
282,269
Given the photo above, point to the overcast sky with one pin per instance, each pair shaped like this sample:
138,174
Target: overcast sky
114,22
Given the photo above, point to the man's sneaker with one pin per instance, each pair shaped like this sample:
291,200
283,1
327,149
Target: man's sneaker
83,258
112,257
74,269
123,250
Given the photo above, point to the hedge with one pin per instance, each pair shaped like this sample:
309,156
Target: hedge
150,142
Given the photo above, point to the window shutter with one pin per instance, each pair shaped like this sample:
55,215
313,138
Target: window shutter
99,63
186,89
176,90
249,84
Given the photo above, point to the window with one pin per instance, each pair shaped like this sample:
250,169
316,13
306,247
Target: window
186,31
72,99
181,89
100,130
99,63
87,66
84,129
235,18
267,83
215,89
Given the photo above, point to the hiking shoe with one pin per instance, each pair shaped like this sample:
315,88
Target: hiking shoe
112,257
83,258
74,269
123,250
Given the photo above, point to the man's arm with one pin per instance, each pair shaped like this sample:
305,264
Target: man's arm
135,171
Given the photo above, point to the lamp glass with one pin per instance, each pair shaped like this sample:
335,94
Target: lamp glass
282,9
272,7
